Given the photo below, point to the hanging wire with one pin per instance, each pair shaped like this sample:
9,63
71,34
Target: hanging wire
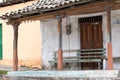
68,23
69,44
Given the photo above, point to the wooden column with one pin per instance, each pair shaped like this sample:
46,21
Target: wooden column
60,51
15,43
109,44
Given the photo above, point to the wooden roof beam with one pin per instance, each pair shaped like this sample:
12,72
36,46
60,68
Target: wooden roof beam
83,9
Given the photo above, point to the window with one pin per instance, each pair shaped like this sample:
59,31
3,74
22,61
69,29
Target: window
1,42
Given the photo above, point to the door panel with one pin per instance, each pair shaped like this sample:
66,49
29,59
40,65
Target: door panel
91,37
91,33
97,35
86,37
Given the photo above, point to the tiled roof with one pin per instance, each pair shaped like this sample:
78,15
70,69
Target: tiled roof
12,2
44,6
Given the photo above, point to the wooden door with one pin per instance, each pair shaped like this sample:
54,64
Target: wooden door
91,37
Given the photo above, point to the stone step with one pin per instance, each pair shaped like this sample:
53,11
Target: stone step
65,75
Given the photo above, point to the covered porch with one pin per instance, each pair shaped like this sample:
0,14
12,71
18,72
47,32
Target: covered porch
57,17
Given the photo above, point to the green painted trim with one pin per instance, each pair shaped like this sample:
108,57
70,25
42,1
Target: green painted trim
1,52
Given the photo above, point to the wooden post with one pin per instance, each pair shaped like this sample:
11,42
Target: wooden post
109,45
60,51
15,42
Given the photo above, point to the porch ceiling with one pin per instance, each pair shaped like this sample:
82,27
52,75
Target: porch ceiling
45,9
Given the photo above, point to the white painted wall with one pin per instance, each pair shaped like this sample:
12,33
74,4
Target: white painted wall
49,40
116,38
116,34
50,36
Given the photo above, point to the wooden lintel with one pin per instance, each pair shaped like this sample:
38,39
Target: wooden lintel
116,6
83,9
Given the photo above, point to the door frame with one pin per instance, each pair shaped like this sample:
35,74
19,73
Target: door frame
101,28
79,35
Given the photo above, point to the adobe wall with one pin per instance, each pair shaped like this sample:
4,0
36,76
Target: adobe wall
29,40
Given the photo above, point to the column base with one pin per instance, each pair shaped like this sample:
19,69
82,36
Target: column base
60,59
110,57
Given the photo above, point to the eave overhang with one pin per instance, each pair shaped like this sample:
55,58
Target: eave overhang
35,13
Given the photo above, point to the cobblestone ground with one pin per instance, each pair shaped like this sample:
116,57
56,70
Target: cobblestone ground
9,68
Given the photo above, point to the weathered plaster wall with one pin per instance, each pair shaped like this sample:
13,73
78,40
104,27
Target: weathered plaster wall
50,37
116,33
116,38
29,42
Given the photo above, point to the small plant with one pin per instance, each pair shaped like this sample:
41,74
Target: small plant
3,72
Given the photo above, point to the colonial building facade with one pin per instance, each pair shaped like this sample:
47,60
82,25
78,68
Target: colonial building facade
70,28
29,44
